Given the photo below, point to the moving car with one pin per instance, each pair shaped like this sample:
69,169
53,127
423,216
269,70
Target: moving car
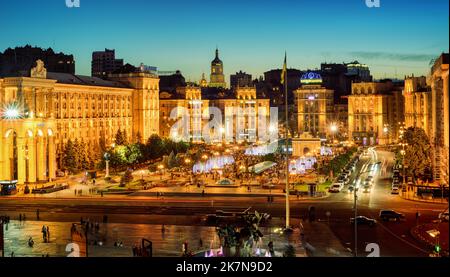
367,188
444,215
336,187
363,220
395,190
388,215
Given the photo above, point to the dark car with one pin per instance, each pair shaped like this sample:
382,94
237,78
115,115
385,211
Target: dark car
388,215
363,220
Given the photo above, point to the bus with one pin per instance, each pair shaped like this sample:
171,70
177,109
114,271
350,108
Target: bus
8,187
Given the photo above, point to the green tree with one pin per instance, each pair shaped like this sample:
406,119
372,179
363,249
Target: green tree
84,156
69,159
153,147
133,153
417,158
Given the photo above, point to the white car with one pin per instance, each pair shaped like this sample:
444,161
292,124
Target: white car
395,190
336,187
444,215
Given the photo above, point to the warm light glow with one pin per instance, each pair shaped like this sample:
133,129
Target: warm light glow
333,128
12,113
222,130
205,157
385,129
161,166
187,161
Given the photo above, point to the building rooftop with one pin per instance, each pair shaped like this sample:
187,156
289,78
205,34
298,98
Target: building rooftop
65,78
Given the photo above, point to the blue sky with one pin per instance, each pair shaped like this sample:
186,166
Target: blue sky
400,37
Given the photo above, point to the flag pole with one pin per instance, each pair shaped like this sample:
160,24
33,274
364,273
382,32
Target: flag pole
287,227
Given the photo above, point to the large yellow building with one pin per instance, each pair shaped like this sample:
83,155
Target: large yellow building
187,100
375,113
40,113
315,111
417,103
438,80
243,117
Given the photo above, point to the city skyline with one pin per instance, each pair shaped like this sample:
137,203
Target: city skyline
303,33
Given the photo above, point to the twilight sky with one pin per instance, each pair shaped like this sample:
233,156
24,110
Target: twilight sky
400,37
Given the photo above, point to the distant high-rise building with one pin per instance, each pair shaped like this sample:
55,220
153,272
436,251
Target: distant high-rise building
217,78
104,63
240,79
19,61
358,69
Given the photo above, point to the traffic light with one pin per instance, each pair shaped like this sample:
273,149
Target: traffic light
437,248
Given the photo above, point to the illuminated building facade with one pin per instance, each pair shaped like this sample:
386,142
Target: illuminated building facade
42,112
375,113
186,101
237,119
438,80
314,104
417,96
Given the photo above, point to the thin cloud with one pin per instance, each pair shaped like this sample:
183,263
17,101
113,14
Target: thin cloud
410,57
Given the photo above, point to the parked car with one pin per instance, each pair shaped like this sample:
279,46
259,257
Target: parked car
363,220
336,187
388,215
444,215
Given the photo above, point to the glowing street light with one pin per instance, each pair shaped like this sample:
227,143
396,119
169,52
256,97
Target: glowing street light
333,128
205,157
12,112
187,161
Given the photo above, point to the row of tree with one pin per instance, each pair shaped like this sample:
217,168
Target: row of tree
77,156
338,162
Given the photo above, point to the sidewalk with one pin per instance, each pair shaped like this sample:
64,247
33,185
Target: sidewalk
412,197
320,241
219,191
165,244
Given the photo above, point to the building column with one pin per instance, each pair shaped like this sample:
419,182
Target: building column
41,168
5,145
21,166
32,161
51,158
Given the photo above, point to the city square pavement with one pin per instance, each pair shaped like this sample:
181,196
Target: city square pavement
166,244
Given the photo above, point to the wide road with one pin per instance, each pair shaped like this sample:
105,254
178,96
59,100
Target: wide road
393,238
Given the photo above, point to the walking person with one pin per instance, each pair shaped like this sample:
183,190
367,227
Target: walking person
44,233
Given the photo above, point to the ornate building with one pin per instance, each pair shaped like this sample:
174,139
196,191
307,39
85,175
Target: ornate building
40,113
242,117
187,102
375,113
217,78
314,105
438,80
417,96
